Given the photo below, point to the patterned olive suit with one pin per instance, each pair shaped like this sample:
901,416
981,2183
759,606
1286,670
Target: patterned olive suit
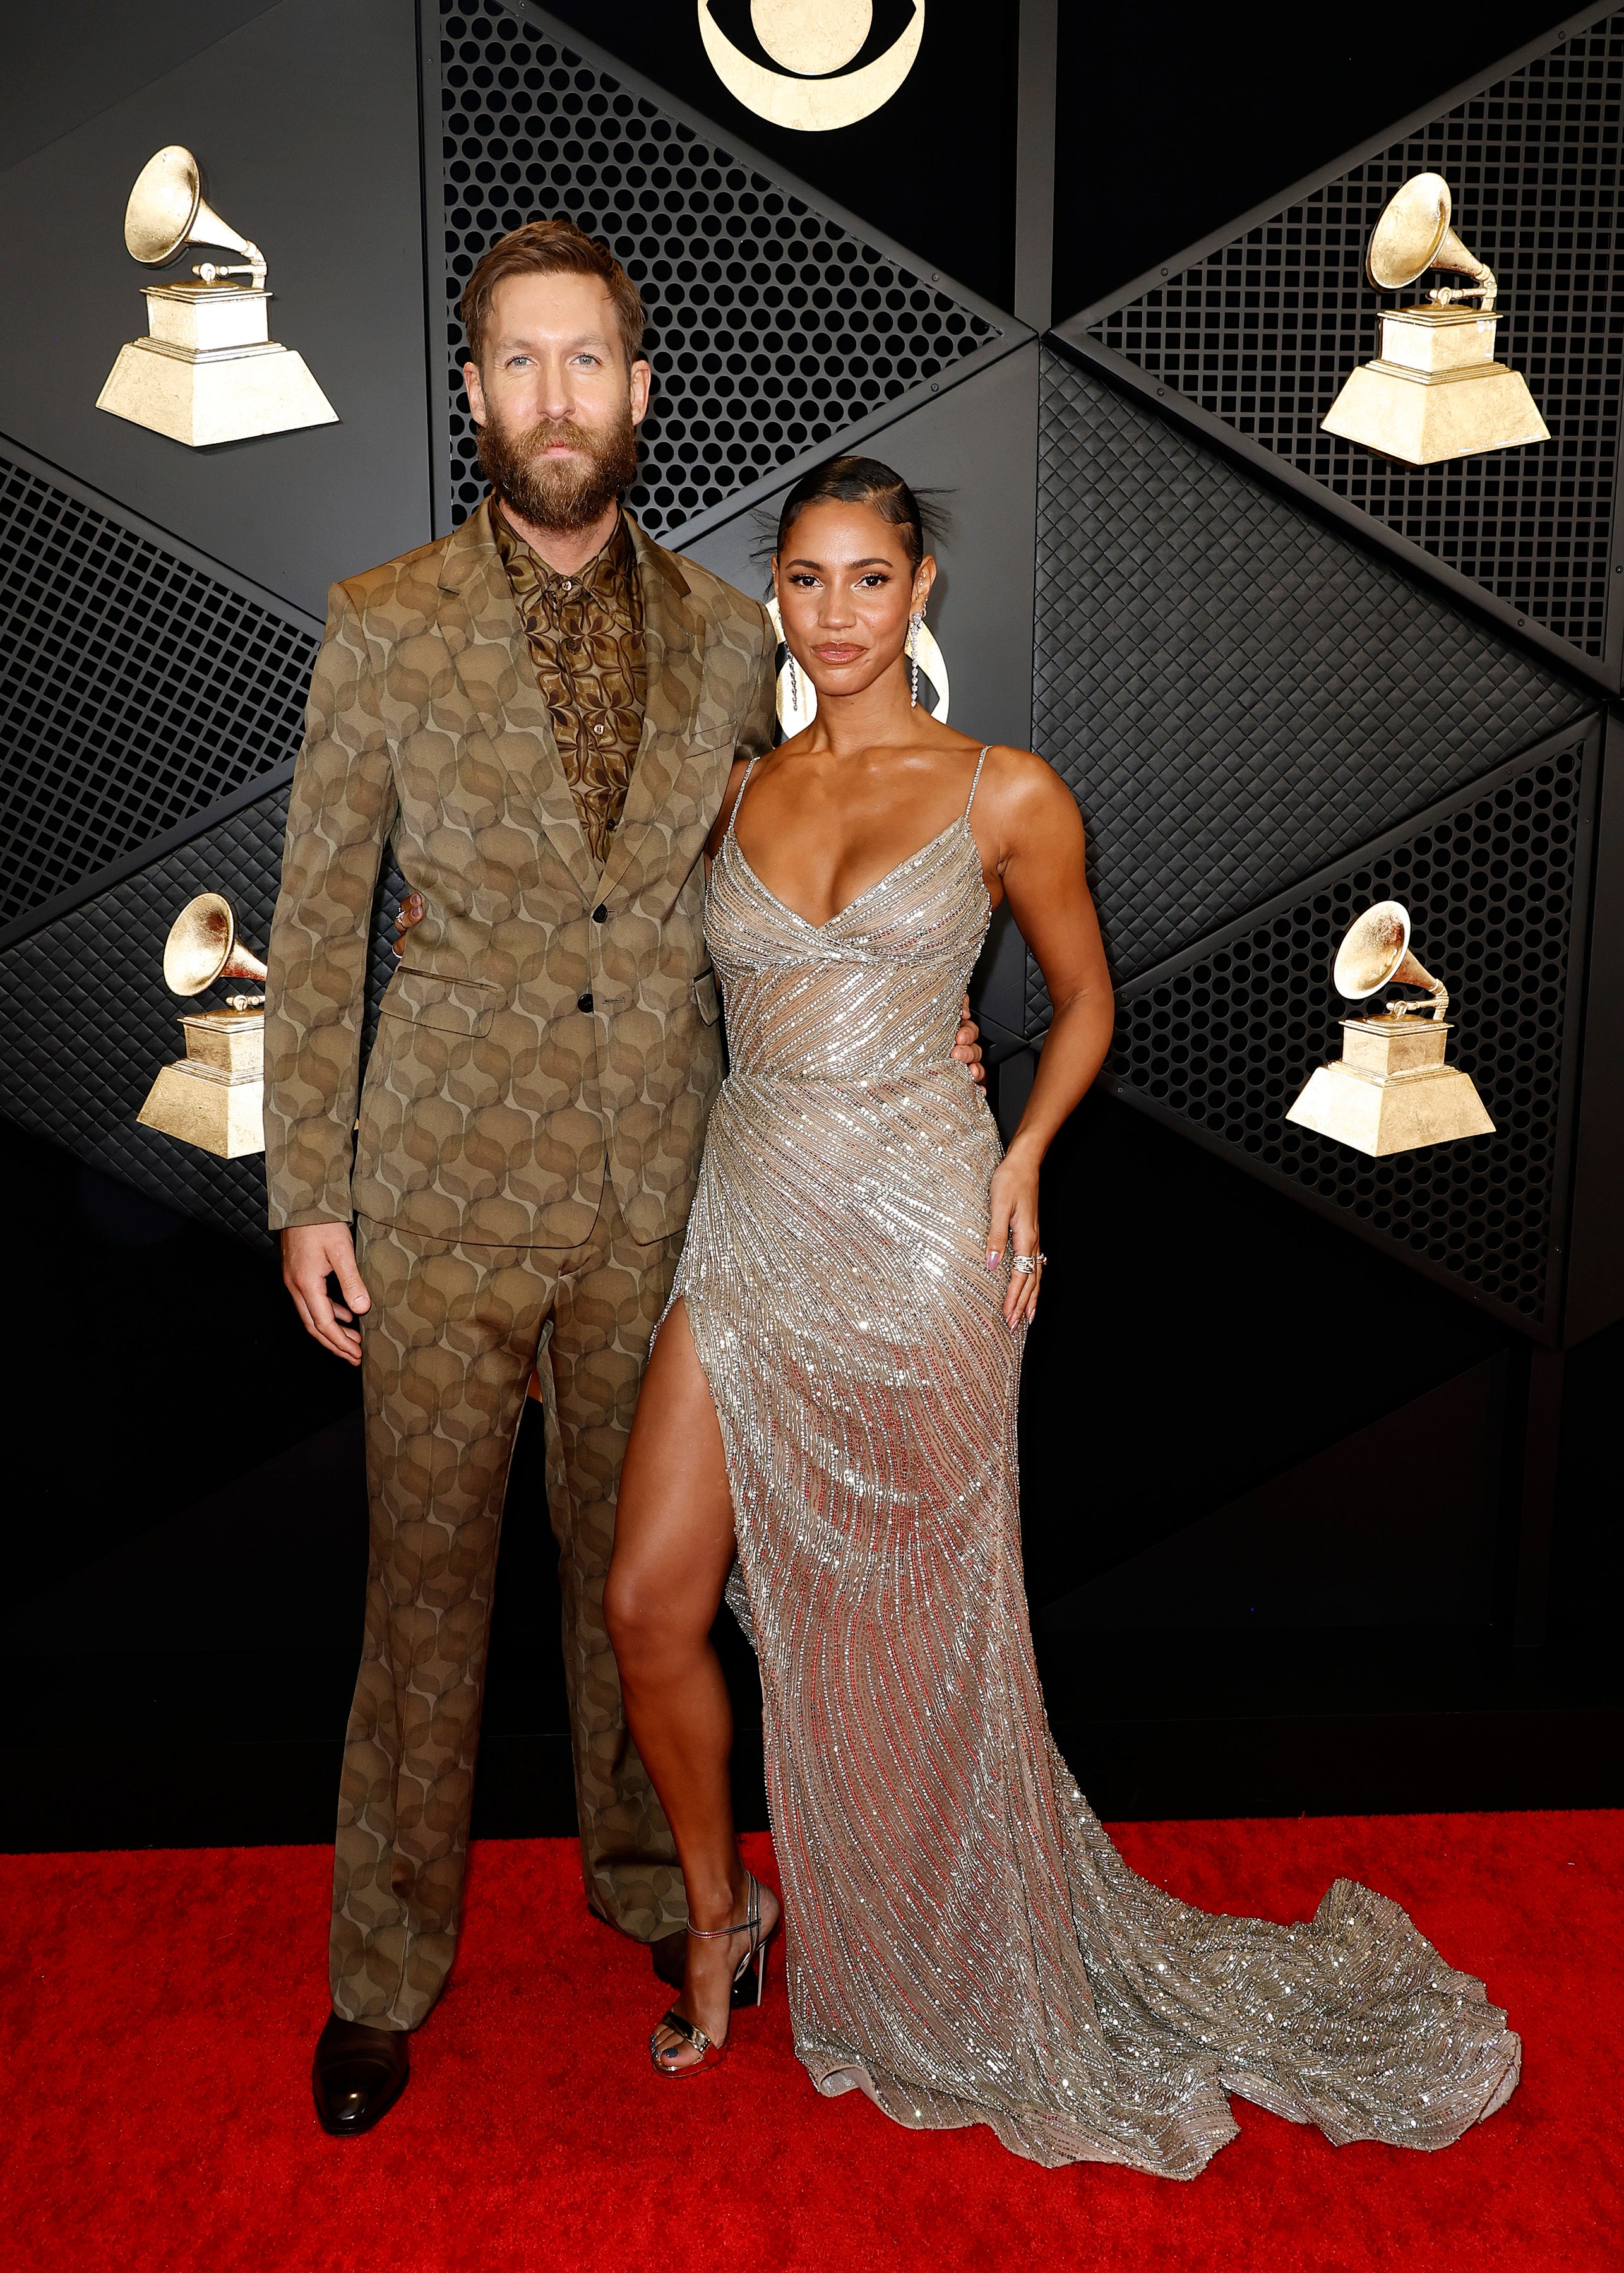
528,1138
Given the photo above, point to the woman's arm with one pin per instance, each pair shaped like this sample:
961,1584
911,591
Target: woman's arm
1040,861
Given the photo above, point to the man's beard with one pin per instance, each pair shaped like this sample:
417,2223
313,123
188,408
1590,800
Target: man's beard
561,494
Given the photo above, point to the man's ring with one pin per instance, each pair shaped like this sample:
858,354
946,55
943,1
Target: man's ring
1027,1263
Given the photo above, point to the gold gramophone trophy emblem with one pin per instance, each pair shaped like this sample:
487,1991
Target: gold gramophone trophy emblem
208,370
1390,1091
1434,390
215,1096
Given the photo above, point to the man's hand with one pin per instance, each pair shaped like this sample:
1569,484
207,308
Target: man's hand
412,910
309,1252
967,1046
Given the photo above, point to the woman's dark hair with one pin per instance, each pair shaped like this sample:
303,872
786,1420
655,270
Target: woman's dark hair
865,481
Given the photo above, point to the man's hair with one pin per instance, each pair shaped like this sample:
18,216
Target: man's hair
550,248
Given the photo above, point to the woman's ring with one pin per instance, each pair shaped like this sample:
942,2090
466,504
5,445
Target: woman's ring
1027,1263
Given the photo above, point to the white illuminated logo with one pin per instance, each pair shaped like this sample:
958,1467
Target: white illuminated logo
812,39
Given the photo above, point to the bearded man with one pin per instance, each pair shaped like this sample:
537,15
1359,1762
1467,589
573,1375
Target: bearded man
539,713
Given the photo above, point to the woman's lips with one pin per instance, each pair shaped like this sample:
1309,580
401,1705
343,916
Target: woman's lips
836,654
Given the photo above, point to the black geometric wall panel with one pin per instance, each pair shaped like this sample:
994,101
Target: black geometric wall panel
1262,330
1221,1039
1235,690
135,690
771,326
86,1020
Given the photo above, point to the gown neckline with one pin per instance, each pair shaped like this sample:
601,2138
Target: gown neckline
961,820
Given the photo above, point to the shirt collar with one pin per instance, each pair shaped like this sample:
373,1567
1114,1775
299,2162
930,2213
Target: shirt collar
605,576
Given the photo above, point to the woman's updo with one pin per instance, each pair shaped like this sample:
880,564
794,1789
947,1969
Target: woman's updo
865,481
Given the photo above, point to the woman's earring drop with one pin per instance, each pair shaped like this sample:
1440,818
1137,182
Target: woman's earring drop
794,683
914,621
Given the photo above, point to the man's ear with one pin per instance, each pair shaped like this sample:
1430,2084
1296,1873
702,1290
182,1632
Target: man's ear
641,378
475,391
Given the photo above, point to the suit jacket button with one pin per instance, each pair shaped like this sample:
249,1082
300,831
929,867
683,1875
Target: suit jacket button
600,915
584,1002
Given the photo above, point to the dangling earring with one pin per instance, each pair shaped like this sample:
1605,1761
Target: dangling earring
794,683
914,621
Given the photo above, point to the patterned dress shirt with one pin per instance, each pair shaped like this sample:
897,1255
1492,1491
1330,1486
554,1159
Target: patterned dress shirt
585,636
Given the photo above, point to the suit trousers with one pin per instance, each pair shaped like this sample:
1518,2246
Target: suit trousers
447,1350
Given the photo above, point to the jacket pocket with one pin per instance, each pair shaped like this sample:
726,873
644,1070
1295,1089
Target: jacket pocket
705,995
452,1006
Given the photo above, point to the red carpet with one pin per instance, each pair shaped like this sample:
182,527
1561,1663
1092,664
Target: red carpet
159,2009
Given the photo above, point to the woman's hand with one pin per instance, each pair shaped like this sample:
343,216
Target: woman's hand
412,911
967,1045
1014,1224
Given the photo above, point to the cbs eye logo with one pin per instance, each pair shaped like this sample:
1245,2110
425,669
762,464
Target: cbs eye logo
814,41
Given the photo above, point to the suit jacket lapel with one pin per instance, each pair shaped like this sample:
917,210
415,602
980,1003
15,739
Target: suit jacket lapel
480,623
674,651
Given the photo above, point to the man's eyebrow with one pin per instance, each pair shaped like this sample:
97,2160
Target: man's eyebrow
586,339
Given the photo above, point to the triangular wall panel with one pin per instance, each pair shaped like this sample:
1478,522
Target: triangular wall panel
774,325
1259,327
1221,1041
137,686
1235,690
86,1019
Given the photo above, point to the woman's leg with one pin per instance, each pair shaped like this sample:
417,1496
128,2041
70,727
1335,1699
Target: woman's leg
673,1547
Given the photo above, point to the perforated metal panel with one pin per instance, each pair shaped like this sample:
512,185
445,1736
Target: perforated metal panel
1262,331
1235,690
86,1020
772,326
1222,1041
135,690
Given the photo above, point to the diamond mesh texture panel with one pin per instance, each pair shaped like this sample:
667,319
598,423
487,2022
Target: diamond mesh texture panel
136,690
1263,331
771,327
86,1020
1226,1041
1236,692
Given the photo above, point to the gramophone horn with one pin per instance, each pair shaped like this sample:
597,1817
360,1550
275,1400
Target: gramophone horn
1413,235
203,946
168,211
1375,953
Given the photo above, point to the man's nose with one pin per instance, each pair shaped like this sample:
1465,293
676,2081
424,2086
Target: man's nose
556,394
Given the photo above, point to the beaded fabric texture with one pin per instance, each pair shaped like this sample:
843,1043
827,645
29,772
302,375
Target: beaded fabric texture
965,1943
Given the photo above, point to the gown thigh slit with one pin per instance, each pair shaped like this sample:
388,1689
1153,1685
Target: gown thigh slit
964,1942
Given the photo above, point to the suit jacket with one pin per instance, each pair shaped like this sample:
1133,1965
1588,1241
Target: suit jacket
550,1023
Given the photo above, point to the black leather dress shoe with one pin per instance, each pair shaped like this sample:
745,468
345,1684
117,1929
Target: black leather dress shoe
358,2074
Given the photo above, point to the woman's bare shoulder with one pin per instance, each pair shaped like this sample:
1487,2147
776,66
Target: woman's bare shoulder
1022,784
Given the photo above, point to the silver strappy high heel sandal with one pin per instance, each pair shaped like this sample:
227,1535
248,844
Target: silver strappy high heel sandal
749,1983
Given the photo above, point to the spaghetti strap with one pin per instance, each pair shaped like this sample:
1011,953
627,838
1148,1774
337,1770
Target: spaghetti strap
739,800
974,785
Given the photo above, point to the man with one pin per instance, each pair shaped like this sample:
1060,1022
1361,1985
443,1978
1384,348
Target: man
540,712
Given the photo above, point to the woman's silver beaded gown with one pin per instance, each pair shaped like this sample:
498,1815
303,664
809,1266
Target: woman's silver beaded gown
965,1943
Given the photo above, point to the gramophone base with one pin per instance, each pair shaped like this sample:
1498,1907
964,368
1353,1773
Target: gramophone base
227,394
1421,417
1400,1114
211,1111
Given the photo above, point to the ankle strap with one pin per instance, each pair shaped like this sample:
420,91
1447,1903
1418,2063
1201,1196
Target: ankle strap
746,1923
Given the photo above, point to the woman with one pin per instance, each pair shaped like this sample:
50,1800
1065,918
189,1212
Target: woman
832,1396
